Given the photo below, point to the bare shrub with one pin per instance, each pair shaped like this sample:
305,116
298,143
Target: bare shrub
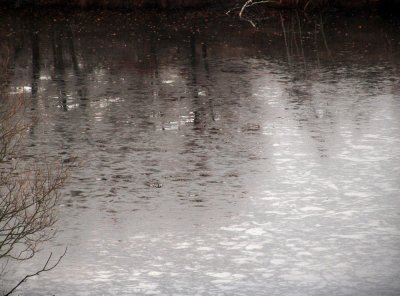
29,193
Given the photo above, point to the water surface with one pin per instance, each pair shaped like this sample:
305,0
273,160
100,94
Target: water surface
214,158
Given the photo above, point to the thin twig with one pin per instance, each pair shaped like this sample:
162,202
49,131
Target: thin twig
244,7
44,269
250,3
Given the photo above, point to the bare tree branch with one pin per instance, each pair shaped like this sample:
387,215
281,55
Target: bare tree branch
45,268
250,3
29,193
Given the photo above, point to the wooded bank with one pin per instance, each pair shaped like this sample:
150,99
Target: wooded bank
301,4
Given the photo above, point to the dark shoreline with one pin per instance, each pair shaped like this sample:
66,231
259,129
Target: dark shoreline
190,4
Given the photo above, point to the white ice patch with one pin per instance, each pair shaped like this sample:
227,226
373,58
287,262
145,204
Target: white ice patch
357,194
311,208
182,246
275,213
367,159
227,243
205,249
352,236
255,231
362,147
270,198
219,275
254,247
232,228
154,273
167,81
304,253
239,276
331,185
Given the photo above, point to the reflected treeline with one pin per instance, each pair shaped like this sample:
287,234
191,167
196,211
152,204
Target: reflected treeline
172,4
12,43
125,4
85,56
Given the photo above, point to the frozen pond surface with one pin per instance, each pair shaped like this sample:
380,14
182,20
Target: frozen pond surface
216,159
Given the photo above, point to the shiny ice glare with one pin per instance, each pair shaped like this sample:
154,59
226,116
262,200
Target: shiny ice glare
202,93
255,231
168,81
72,106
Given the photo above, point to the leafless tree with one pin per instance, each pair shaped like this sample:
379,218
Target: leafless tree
28,193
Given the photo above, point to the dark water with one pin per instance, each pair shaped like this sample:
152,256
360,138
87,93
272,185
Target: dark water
215,158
